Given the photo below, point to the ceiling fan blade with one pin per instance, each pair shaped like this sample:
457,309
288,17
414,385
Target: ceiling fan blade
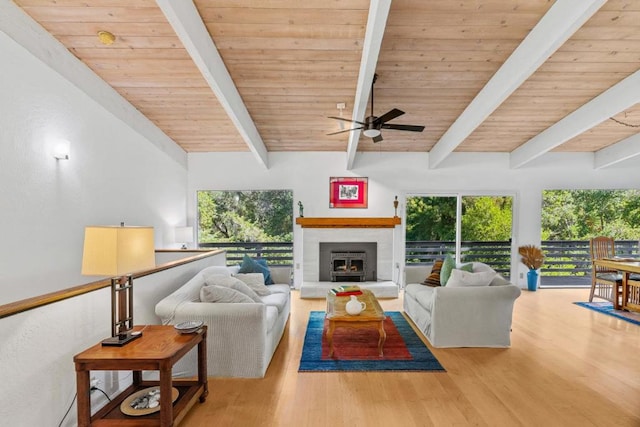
411,128
389,115
377,138
343,131
346,120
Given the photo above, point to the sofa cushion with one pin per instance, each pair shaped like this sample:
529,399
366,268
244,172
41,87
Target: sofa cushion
433,279
425,298
460,278
279,288
217,270
255,281
276,299
252,266
222,294
233,283
422,294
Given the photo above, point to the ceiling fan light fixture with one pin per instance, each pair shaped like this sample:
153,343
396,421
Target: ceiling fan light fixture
371,133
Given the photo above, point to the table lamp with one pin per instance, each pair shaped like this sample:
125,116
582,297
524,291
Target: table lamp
118,252
183,235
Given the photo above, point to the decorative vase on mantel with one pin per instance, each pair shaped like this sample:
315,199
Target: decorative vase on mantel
532,280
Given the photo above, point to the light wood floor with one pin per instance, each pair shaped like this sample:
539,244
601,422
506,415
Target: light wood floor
568,366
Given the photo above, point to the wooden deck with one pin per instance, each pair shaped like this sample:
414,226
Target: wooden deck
565,281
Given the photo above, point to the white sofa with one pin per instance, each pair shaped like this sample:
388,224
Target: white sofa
242,337
477,316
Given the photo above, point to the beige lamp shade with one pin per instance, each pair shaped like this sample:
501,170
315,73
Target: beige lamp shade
183,234
116,251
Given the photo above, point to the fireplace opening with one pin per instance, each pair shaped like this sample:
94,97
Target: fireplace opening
348,266
347,261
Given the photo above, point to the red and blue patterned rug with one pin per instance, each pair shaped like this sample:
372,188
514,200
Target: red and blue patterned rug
357,350
607,308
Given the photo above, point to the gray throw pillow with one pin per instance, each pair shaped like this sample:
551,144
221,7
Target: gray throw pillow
255,281
222,294
232,283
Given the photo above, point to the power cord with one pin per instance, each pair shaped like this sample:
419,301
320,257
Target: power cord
101,391
93,388
67,413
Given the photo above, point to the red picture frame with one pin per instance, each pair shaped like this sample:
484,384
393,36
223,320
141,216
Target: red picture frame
348,192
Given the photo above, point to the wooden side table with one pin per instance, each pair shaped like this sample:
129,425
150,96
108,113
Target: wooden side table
159,348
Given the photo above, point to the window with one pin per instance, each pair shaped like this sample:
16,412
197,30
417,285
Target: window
257,223
471,227
571,217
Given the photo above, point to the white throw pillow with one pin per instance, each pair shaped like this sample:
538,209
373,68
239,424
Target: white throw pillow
233,283
255,281
218,270
460,278
222,294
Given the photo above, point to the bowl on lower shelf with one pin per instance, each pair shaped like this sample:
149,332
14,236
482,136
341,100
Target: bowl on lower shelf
188,327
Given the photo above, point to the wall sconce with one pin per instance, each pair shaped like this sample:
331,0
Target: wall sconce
62,149
183,235
118,251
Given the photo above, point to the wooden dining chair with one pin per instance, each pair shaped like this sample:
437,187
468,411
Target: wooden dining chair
605,283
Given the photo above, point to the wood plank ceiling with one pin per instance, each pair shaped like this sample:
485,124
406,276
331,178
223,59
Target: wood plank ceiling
293,61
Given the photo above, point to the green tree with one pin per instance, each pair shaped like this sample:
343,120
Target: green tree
559,215
582,214
245,216
486,218
431,218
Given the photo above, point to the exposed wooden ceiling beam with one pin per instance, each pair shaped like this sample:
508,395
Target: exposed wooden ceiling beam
556,26
614,100
33,38
187,23
376,22
623,150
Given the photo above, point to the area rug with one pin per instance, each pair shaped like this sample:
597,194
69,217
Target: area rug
607,308
357,350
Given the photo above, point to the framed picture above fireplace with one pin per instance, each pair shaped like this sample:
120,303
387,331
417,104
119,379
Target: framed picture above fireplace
348,192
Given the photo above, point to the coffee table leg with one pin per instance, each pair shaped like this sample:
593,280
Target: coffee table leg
330,330
383,338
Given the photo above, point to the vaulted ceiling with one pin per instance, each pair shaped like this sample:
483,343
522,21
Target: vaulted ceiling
522,77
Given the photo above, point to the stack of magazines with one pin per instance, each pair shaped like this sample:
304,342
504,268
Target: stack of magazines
346,290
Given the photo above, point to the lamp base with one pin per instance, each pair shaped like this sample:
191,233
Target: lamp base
122,339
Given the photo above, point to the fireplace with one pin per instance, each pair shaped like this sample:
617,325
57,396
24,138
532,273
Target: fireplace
347,261
348,266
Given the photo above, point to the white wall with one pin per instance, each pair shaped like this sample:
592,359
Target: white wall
390,174
113,175
36,355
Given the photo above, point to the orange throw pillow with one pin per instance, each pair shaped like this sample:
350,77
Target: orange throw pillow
434,278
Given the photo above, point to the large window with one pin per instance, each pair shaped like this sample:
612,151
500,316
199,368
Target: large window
471,227
257,223
571,217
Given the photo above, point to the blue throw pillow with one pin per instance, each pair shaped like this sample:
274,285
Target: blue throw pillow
252,266
267,276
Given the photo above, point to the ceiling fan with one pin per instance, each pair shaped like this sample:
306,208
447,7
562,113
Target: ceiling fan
372,124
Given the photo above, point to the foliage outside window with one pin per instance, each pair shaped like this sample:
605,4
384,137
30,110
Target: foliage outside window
583,214
245,216
484,218
485,229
